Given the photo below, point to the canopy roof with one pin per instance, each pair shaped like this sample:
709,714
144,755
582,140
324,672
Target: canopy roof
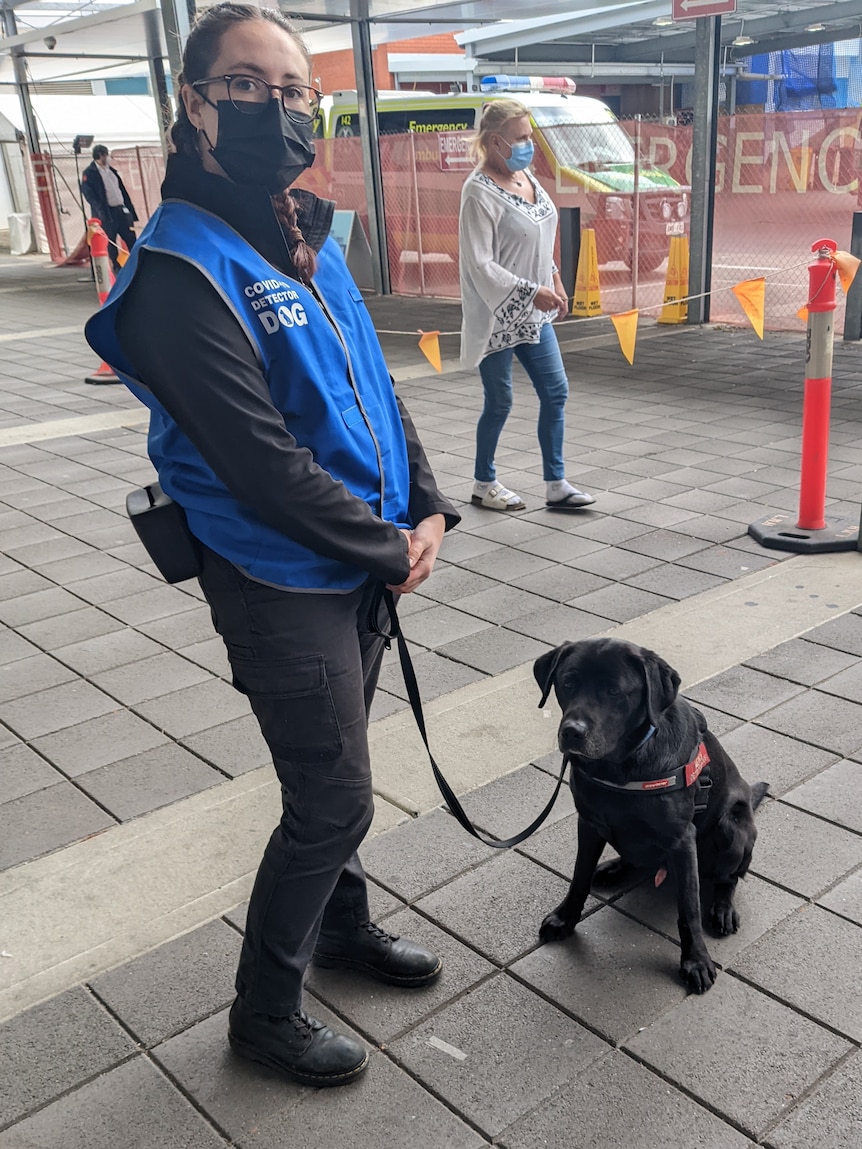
100,38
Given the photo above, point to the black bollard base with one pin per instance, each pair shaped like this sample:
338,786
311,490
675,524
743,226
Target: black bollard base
779,531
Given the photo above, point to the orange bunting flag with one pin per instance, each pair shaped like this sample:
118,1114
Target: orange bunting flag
847,265
802,314
751,294
429,345
626,324
122,251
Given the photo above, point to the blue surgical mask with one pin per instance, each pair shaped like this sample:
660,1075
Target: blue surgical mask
521,157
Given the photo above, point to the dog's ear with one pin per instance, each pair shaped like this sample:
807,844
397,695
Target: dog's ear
662,684
545,669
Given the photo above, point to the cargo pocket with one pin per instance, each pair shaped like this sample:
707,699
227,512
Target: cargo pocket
293,704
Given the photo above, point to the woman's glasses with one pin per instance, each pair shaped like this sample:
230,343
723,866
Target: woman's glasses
251,95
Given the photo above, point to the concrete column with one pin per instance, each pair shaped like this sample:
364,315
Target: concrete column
706,58
369,141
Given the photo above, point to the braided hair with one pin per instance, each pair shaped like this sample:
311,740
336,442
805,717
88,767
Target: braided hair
201,51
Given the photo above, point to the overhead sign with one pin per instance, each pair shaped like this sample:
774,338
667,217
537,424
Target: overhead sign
690,9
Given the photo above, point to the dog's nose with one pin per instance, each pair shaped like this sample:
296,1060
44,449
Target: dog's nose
572,731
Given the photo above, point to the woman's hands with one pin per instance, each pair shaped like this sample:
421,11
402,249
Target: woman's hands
547,299
423,543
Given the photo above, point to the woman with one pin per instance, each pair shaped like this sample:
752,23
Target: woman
511,292
274,425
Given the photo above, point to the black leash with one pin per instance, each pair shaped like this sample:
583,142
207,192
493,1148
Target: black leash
385,596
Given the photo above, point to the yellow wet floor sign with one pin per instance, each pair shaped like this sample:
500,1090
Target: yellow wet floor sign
587,299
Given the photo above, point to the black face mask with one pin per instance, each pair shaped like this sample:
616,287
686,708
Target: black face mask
268,149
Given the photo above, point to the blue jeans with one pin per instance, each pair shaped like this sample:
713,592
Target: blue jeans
544,364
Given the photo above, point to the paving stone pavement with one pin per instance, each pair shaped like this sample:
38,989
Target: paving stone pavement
115,703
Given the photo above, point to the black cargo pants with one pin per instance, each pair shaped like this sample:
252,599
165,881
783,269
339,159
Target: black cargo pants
309,668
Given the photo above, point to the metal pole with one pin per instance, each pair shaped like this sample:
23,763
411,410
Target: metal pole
19,67
370,144
418,215
706,60
158,82
636,212
177,16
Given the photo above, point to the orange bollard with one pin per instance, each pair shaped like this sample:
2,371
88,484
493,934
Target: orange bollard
818,387
814,530
104,278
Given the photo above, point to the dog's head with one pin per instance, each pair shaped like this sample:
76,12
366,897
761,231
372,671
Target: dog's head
610,692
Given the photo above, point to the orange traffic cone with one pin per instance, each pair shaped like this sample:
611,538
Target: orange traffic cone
104,278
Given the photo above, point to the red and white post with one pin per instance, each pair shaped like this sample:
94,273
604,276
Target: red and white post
817,400
104,278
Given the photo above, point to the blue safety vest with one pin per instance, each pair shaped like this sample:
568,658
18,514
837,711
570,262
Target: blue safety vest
320,356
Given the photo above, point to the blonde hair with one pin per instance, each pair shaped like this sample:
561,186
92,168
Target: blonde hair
495,116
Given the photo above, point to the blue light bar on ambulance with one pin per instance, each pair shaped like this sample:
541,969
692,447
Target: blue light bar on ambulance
527,84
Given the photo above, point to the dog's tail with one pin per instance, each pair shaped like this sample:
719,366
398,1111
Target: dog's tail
759,791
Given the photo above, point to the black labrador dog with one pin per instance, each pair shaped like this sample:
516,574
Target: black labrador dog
650,778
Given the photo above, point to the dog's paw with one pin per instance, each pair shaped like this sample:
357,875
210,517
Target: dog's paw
554,928
698,973
724,919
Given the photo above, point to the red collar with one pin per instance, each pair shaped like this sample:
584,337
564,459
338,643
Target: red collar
680,779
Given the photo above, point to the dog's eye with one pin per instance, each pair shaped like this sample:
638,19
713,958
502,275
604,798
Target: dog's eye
614,690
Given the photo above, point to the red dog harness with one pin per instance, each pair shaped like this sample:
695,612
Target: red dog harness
680,779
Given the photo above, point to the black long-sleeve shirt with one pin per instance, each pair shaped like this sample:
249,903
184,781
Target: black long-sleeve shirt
189,350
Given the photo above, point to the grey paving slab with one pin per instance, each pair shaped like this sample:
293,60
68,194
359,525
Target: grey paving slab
133,1105
845,898
743,1055
498,907
726,562
613,974
561,546
422,854
832,723
170,988
844,633
13,647
494,649
98,742
743,691
66,629
36,606
44,820
802,661
178,630
835,794
674,581
618,1104
210,654
113,585
561,583
21,582
436,675
803,853
504,563
55,708
149,678
558,623
52,1048
194,708
24,772
106,651
29,675
382,1012
620,602
830,1116
809,961
234,747
760,905
440,624
256,1108
459,1055
150,606
157,777
503,808
765,755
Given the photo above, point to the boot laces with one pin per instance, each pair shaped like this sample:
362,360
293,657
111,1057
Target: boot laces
376,932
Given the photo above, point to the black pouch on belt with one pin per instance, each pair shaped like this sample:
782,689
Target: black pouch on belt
162,528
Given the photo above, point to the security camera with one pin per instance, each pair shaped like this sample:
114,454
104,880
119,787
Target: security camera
50,43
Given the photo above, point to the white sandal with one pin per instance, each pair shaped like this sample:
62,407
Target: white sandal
499,498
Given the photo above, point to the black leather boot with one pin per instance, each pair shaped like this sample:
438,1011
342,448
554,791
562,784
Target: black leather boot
384,956
298,1046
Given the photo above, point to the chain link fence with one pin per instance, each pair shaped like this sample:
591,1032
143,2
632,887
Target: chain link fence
783,181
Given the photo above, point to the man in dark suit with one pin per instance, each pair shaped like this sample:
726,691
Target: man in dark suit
109,201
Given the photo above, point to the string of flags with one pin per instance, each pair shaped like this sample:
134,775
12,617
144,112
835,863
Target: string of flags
586,304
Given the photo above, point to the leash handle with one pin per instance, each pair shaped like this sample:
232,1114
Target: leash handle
415,700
